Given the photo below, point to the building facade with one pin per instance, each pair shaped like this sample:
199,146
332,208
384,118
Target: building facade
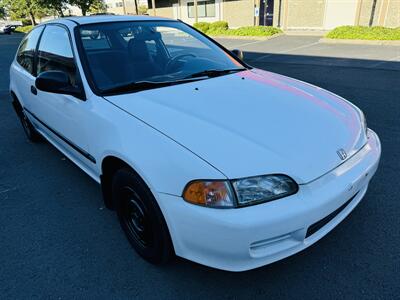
121,7
287,14
236,12
328,14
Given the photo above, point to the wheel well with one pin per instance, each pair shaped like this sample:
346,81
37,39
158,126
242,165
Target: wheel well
109,166
13,95
16,104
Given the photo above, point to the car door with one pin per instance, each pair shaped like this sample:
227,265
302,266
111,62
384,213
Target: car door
61,117
23,71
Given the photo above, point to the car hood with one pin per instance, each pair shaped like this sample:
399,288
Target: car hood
253,123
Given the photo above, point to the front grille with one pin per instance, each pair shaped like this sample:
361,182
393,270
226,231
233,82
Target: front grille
321,223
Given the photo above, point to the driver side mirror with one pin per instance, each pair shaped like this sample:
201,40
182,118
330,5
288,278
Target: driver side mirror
57,82
238,53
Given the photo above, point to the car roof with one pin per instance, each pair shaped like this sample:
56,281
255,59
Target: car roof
105,18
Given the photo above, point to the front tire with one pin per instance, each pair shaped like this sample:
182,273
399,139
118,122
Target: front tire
140,217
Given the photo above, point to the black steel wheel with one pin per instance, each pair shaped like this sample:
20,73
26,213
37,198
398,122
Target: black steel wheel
140,217
135,218
30,131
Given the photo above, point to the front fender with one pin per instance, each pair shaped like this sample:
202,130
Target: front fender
164,165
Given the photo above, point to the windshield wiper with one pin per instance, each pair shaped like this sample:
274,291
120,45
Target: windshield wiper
137,86
214,72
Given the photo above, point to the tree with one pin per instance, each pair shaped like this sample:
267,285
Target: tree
2,11
143,9
56,5
21,9
98,7
85,5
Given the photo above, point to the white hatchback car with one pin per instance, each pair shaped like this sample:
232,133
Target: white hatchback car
201,155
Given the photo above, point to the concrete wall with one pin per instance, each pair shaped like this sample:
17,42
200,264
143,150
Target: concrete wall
339,13
365,12
276,14
312,14
393,16
166,12
163,8
304,13
238,12
387,13
327,14
119,10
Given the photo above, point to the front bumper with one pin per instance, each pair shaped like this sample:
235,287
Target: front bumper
246,238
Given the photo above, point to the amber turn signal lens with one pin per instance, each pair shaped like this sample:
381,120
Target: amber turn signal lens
209,193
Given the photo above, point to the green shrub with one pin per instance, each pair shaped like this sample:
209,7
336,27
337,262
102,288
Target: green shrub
219,25
364,33
142,9
222,28
23,29
202,26
26,22
263,31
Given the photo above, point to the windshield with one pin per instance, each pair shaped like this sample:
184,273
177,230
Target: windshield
121,54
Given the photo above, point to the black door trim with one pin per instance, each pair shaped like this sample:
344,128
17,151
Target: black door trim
63,138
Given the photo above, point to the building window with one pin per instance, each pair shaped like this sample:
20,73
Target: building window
204,9
118,4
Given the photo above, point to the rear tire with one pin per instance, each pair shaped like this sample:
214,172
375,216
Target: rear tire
140,217
31,133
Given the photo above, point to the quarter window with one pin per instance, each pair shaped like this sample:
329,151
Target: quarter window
26,51
55,52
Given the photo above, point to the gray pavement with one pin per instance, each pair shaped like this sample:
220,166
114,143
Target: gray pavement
58,241
374,56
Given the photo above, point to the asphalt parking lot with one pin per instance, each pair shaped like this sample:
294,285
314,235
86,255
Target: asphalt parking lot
58,241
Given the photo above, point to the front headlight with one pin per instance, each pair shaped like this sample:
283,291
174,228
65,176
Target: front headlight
263,188
212,193
249,191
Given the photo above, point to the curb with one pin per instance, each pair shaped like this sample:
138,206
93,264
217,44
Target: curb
254,38
320,33
361,42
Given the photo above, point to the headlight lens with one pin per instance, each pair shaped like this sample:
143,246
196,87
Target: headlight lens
263,188
252,190
209,193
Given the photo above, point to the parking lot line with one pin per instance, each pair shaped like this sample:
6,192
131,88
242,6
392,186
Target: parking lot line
249,43
286,51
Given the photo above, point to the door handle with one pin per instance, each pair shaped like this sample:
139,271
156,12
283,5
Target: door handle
33,90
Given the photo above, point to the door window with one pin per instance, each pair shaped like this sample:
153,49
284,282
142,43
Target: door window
26,51
55,52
